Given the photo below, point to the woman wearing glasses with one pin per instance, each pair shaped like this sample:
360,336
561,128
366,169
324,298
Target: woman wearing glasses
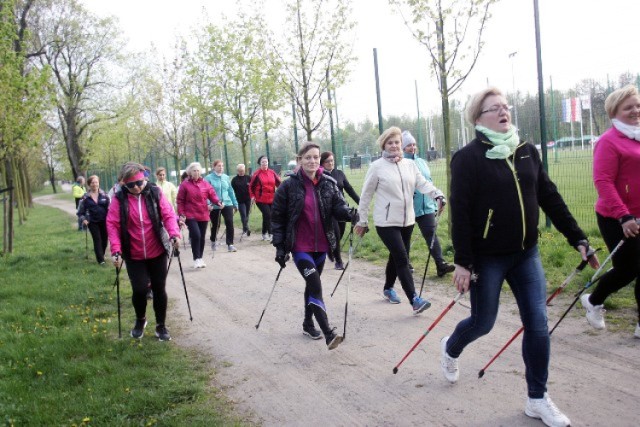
138,216
498,185
193,194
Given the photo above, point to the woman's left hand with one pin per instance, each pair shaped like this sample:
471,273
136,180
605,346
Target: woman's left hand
461,278
630,228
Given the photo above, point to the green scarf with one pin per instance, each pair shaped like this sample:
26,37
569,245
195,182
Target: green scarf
504,143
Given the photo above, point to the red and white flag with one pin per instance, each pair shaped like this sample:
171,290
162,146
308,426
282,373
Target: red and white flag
571,110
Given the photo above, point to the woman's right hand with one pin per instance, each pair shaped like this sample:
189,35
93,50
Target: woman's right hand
630,228
360,230
461,278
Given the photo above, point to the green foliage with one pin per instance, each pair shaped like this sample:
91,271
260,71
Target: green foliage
62,363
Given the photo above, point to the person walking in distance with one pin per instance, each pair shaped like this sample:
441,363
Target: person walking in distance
498,185
93,214
328,163
302,221
425,207
142,226
262,189
193,194
169,190
240,185
616,175
222,185
393,180
78,190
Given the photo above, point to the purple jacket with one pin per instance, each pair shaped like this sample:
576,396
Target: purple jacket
310,233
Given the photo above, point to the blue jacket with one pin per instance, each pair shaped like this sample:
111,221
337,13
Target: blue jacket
422,204
222,185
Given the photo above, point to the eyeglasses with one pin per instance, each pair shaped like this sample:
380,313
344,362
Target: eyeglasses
497,108
132,184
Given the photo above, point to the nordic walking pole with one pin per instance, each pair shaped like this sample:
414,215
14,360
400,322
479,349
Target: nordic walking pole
184,284
433,325
587,285
346,304
269,299
86,242
569,278
346,266
426,267
117,285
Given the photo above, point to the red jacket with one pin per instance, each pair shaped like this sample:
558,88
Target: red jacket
192,199
263,185
616,175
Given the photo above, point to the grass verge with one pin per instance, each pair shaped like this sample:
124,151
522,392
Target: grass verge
61,360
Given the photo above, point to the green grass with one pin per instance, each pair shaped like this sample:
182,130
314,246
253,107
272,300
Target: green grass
61,362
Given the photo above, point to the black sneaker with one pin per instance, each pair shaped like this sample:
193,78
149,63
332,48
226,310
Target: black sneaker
248,232
311,332
162,333
333,340
149,294
445,268
138,329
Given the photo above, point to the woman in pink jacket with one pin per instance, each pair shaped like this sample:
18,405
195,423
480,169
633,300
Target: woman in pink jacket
262,188
193,210
616,176
140,223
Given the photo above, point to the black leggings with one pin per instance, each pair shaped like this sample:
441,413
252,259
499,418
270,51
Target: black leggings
197,231
245,210
338,229
98,232
227,214
310,265
398,240
427,224
626,262
265,208
143,272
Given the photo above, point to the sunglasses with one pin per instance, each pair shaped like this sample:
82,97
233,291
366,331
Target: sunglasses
132,184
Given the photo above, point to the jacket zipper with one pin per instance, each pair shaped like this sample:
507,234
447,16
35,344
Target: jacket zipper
404,199
144,243
515,178
386,218
315,218
486,227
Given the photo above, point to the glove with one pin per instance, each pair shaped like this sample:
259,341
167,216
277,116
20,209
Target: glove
355,217
117,260
175,242
282,257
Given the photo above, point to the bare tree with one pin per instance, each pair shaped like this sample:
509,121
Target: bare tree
451,30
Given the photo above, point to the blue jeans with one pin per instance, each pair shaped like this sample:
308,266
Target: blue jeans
523,272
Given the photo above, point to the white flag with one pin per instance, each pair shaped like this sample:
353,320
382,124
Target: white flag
586,102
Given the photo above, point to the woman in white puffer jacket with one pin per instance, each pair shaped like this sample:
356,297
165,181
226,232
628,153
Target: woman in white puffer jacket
393,181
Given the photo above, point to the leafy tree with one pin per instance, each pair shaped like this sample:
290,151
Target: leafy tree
318,44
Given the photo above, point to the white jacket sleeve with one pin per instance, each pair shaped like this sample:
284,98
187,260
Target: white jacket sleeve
368,189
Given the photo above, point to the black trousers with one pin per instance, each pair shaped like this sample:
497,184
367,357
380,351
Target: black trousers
98,232
197,232
265,209
626,262
227,215
398,240
143,272
245,211
338,229
427,225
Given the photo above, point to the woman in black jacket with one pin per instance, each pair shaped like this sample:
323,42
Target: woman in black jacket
498,186
92,212
240,185
327,161
302,223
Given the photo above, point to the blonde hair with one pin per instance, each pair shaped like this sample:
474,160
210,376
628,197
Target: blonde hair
193,166
384,137
474,106
617,97
240,166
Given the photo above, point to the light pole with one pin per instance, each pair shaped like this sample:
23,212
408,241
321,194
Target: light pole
513,83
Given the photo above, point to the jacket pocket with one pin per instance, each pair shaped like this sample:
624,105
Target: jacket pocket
386,218
488,224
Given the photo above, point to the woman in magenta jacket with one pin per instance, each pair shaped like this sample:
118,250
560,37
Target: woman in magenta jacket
137,219
616,176
193,210
262,188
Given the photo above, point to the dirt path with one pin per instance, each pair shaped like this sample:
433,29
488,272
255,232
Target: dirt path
279,377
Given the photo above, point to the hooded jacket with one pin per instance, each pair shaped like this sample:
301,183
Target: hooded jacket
290,202
422,204
192,199
263,185
135,222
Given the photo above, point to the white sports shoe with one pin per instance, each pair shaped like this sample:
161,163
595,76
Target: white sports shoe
232,248
202,264
544,409
449,364
196,263
595,313
637,333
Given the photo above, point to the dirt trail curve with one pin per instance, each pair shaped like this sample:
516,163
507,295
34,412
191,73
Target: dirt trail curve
280,377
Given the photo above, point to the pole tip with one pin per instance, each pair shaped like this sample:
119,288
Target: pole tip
395,370
481,373
257,326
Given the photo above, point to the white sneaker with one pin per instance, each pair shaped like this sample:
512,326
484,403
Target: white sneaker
196,263
449,364
265,237
544,409
595,313
202,264
637,333
232,248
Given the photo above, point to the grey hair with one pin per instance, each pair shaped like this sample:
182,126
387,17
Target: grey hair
474,106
